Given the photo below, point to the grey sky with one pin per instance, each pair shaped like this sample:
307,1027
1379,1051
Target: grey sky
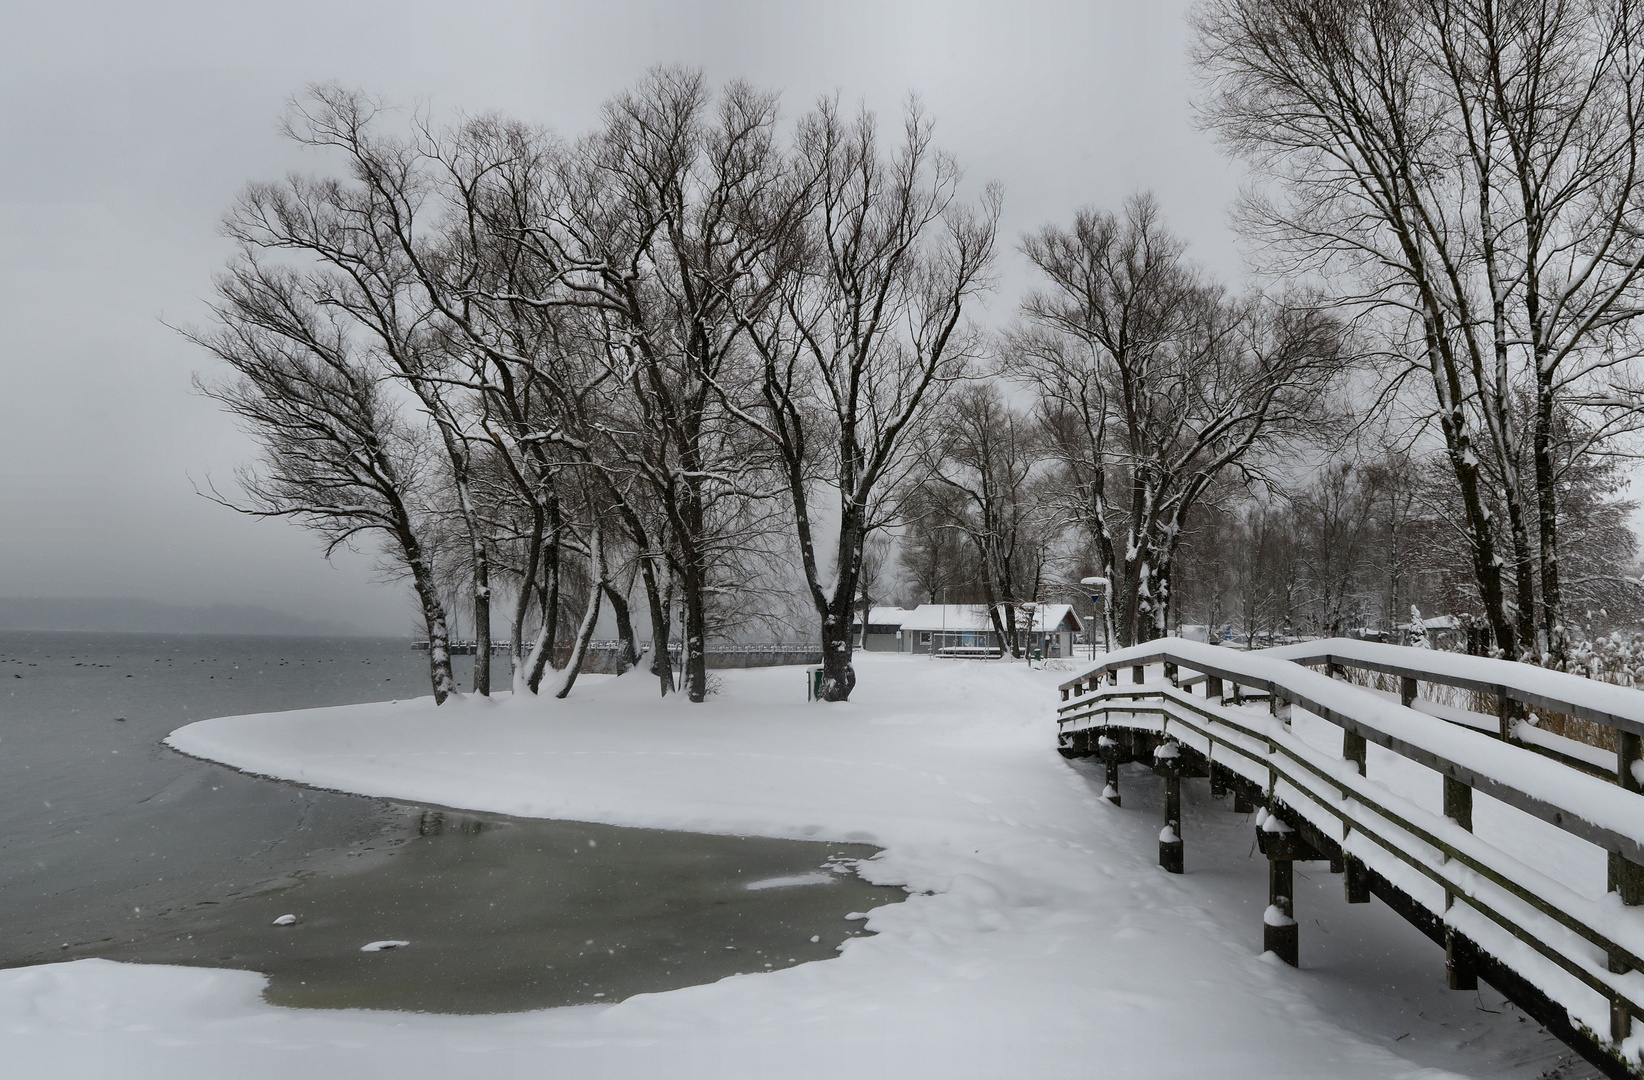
127,129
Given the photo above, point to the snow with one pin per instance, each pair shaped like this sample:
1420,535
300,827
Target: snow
1563,871
792,880
1581,799
1622,702
1039,938
1275,916
977,618
285,920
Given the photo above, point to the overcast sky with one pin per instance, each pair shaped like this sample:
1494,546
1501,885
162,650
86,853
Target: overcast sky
127,129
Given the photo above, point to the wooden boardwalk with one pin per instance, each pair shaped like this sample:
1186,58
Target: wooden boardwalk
1288,736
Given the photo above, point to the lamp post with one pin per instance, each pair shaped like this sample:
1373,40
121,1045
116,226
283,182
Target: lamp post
1100,600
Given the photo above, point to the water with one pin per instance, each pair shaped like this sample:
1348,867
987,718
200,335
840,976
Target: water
121,848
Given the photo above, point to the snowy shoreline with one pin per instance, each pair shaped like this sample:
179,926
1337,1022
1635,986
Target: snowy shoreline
1040,937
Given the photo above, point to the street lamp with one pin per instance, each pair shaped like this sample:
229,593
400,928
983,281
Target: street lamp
1101,602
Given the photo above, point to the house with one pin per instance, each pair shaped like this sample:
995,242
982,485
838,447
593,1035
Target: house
884,630
961,629
1441,631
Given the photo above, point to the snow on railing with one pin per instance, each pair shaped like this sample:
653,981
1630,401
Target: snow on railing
1570,957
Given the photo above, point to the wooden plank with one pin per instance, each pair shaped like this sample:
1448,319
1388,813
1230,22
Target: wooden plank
1570,965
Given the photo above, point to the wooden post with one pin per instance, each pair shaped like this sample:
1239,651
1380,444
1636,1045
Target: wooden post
1280,934
1218,782
1458,803
1170,672
1241,802
1213,688
1110,761
1354,749
1508,714
1136,673
1626,878
1460,972
1407,691
1629,751
1355,882
1170,837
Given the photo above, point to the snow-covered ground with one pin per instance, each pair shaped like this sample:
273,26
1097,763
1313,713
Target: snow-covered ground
1041,940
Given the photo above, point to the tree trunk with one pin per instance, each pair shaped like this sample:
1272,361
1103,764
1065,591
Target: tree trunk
627,648
590,615
522,603
838,670
548,636
867,609
1464,461
695,660
1552,598
482,619
1524,604
662,663
433,613
838,673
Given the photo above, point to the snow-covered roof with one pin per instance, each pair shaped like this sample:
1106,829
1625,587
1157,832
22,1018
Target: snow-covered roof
887,616
1437,622
975,617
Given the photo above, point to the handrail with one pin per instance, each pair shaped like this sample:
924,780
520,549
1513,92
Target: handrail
1605,704
1587,806
1334,796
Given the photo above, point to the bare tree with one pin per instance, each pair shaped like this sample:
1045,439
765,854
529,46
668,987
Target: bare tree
1154,385
336,458
990,457
862,341
362,231
933,556
1474,164
667,227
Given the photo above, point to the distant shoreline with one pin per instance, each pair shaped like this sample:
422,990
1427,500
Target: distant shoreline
131,615
338,635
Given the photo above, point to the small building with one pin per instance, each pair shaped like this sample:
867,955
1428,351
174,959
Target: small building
884,630
967,629
1440,632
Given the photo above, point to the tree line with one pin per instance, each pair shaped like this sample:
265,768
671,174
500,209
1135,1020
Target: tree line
703,356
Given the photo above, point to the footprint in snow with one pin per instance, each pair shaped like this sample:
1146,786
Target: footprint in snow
379,946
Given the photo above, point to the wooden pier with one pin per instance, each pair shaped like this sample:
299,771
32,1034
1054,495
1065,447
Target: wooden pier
1193,711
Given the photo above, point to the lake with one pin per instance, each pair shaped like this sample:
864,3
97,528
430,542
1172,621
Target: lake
118,847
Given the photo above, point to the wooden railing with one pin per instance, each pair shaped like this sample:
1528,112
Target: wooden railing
1575,962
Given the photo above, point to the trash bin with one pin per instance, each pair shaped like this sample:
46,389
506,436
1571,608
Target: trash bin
813,684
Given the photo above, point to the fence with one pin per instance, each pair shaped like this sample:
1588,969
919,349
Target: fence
1297,743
